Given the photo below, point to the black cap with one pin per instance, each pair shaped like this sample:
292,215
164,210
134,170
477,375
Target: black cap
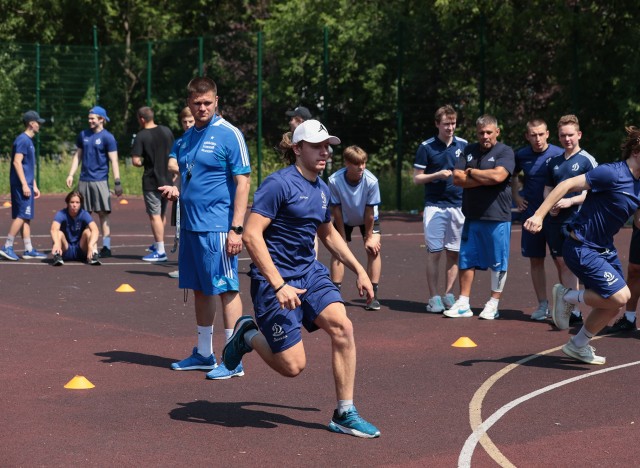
299,111
32,116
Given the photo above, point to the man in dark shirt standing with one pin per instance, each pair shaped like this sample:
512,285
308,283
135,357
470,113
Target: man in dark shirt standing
151,150
484,172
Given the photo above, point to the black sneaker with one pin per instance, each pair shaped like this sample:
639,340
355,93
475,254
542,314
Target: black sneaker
94,259
57,260
105,252
575,319
622,325
374,305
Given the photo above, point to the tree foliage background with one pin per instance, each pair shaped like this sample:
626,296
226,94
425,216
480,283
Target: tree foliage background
388,66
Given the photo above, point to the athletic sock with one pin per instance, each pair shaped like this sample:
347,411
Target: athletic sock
9,241
493,300
28,246
573,296
630,315
159,247
227,334
582,338
248,336
205,340
338,285
106,242
343,405
463,300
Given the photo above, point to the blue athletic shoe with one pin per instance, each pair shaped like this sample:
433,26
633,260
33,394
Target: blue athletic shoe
9,254
196,362
151,248
222,373
33,253
155,257
236,347
353,424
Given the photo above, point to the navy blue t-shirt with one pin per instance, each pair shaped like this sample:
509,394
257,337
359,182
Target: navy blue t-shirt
434,155
614,196
534,167
488,202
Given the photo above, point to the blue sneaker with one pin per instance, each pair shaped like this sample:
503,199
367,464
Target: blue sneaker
222,373
9,254
155,257
353,424
236,347
195,362
151,248
33,253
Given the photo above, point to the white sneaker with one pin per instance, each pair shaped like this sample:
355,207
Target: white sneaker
584,354
561,310
490,311
459,310
448,300
435,305
542,312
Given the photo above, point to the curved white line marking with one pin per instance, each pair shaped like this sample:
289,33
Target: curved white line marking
464,460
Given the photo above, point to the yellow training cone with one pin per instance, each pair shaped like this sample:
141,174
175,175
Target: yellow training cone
125,288
464,342
124,202
6,204
79,382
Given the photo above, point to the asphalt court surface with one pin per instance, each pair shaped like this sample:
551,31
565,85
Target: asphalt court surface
514,400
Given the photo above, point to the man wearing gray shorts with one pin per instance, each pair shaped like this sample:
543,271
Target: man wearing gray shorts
95,148
151,149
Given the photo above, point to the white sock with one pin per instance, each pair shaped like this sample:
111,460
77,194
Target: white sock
582,338
227,333
464,300
630,315
205,340
9,241
160,247
343,405
28,246
493,300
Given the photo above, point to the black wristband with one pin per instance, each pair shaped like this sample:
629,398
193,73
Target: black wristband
117,181
280,287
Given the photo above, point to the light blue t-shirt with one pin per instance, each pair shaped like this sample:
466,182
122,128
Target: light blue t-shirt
296,207
354,198
95,154
208,159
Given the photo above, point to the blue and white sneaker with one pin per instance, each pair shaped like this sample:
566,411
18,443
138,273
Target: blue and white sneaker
9,254
490,312
33,253
151,248
236,347
458,310
196,362
155,257
353,424
448,300
222,373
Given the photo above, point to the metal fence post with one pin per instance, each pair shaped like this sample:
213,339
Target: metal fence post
399,118
96,61
38,111
149,58
200,56
259,104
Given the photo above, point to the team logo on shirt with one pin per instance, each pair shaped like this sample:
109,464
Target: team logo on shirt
469,158
458,152
98,141
610,278
324,200
575,167
491,159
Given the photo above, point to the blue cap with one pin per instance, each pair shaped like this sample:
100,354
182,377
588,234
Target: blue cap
99,111
32,116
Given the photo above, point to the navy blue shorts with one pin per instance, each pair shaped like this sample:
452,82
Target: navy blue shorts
555,234
74,252
533,245
600,271
21,207
282,327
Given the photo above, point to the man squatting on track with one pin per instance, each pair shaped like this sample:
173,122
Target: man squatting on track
613,196
289,287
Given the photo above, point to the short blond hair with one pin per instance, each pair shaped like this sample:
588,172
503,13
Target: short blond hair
569,119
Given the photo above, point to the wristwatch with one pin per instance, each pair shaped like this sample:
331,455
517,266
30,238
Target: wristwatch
237,229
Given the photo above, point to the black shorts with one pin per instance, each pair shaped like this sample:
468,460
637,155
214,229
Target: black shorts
349,229
634,246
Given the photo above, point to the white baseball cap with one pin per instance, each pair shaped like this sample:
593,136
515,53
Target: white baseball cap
314,132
